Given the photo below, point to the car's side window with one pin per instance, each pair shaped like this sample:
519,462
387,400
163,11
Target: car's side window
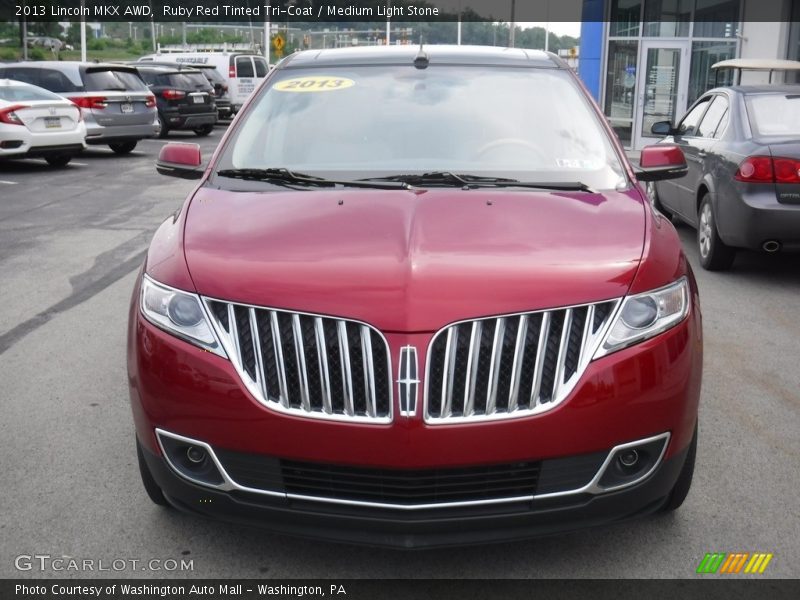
688,126
244,66
23,74
711,121
56,81
261,67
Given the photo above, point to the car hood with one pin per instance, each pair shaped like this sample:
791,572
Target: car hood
413,260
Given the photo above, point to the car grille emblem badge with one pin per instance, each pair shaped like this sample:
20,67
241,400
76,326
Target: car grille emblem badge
52,110
408,383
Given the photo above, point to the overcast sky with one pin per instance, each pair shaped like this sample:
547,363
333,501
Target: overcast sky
573,29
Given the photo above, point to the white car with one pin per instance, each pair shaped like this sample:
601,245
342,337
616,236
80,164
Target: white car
35,123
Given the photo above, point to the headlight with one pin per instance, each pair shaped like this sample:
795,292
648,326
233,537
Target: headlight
179,313
645,315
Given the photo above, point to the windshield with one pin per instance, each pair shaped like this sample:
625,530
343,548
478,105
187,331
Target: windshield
774,114
357,122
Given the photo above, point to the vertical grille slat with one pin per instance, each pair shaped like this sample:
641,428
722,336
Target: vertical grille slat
516,368
347,374
310,365
322,359
511,365
472,368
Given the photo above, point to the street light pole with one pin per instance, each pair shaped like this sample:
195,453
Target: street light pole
512,34
83,33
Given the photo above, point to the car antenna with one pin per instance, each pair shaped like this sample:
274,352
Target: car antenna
421,59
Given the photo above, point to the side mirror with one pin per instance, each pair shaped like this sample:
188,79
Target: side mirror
662,161
180,160
662,128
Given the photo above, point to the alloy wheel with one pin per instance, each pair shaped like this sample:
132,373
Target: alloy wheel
704,231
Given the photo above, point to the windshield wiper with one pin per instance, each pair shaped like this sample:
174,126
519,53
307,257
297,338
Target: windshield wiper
285,176
467,181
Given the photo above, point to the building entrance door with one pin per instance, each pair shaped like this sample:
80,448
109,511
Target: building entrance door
662,87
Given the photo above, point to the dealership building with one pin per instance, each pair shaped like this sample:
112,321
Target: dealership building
648,60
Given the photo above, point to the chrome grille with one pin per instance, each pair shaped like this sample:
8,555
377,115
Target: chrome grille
305,364
510,366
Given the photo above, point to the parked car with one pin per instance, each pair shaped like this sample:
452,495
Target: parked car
117,107
241,71
184,97
222,97
35,123
388,315
743,185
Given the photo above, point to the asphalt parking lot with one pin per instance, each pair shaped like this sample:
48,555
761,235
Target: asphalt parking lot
71,241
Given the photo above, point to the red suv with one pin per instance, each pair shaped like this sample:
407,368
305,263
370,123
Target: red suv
417,298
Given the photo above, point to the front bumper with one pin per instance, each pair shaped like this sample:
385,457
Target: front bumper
420,529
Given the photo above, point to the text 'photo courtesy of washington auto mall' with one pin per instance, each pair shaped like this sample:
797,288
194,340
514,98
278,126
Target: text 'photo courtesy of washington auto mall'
362,291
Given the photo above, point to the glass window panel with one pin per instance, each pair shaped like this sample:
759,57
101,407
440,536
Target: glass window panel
621,87
710,122
688,126
625,18
667,18
701,77
716,18
661,87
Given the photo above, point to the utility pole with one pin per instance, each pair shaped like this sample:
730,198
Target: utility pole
458,36
267,40
512,31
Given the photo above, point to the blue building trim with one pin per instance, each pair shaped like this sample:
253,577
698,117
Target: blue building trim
591,54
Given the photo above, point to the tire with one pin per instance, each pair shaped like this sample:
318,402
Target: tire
163,130
150,486
681,488
122,147
204,130
58,160
714,254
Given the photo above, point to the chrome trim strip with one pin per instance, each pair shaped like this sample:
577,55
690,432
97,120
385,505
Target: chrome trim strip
369,372
592,487
516,367
261,380
278,346
347,374
472,370
558,377
237,350
494,365
538,367
281,405
322,359
446,403
300,357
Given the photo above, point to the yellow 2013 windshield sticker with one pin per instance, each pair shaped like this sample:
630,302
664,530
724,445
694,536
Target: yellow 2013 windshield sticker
314,83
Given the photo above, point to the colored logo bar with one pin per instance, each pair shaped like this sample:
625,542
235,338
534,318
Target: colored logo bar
734,562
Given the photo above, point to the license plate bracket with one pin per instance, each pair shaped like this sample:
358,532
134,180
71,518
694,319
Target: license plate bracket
126,107
52,122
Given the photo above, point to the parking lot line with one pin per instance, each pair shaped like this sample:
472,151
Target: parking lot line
9,182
